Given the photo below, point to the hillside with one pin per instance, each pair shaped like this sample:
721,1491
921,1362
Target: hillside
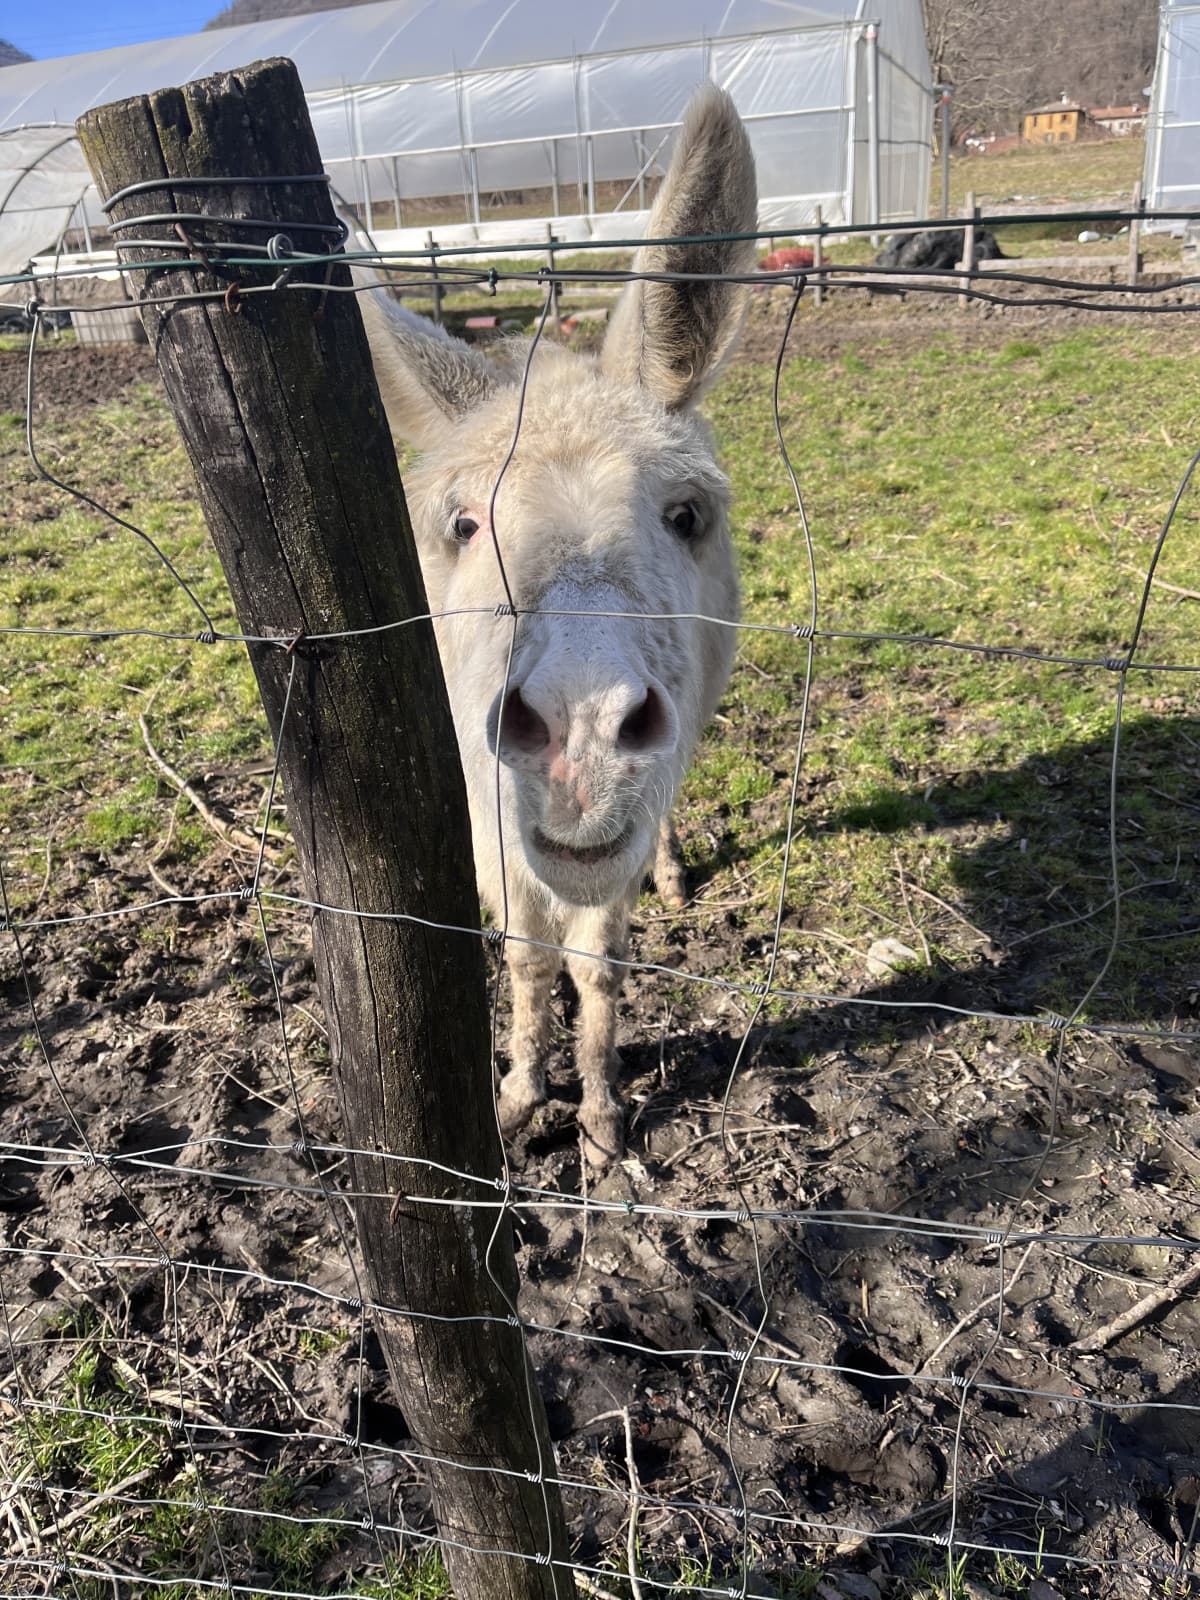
10,55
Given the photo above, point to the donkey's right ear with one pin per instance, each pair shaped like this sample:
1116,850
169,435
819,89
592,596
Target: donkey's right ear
427,377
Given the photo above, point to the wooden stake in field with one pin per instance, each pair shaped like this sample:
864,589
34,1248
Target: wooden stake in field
277,403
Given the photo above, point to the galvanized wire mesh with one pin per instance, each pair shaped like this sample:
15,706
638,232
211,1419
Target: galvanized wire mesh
47,1512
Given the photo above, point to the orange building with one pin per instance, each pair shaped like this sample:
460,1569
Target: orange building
1060,123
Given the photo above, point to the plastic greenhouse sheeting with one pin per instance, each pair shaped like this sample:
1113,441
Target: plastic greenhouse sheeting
1172,177
471,100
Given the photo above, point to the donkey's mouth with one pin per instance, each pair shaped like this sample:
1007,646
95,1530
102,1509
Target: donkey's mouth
584,855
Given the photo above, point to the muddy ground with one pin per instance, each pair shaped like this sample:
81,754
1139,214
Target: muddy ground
164,1042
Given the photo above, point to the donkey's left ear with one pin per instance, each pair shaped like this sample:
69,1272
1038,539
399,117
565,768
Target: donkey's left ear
672,338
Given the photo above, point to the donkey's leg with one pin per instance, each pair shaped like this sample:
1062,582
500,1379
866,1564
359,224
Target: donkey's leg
668,866
533,970
605,931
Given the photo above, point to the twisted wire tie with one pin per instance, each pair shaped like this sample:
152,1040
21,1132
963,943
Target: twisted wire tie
542,1559
248,891
1055,1020
532,1477
743,1214
197,250
739,1356
757,990
493,936
367,1523
504,609
299,1148
349,1440
353,1303
295,642
1116,663
513,1320
206,636
164,1259
802,630
994,1236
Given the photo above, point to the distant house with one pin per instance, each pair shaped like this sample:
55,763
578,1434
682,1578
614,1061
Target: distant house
1060,123
1120,120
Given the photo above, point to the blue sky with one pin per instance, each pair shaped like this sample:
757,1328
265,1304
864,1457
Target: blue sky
65,27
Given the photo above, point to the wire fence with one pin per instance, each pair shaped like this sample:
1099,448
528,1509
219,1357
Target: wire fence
156,1285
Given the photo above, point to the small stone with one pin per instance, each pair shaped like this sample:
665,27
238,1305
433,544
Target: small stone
888,955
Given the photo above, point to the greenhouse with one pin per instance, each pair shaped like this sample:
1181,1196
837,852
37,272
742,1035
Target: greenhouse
490,121
1172,180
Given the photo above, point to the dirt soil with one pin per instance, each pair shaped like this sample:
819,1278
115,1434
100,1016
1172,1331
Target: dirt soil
900,1145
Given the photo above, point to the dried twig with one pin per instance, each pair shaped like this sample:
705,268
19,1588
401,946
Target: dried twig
635,1490
223,831
1174,1289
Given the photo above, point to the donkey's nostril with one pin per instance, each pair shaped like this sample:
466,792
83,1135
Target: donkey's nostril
646,726
522,729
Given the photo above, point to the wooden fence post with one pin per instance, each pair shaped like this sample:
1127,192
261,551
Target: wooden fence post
435,278
553,316
967,264
1135,235
276,400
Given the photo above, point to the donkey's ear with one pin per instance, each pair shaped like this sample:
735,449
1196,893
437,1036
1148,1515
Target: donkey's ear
673,337
427,377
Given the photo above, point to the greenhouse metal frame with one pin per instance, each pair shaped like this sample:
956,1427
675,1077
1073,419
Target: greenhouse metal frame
1172,173
835,94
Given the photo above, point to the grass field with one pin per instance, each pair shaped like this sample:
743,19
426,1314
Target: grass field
1012,498
1101,170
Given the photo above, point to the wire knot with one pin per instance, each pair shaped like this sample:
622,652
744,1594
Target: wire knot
739,1356
802,630
206,636
505,609
742,1214
299,1148
279,247
353,1303
493,936
542,1559
1052,1019
248,891
994,1236
1116,663
513,1320
164,1259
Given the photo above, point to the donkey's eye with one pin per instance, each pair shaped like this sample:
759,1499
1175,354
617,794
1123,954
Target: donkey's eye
464,527
683,520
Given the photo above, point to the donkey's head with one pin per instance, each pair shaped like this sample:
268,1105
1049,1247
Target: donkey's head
611,512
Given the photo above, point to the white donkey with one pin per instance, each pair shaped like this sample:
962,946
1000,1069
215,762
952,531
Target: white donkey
612,509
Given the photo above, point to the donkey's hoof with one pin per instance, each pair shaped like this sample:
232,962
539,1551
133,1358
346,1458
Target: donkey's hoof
603,1136
517,1103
